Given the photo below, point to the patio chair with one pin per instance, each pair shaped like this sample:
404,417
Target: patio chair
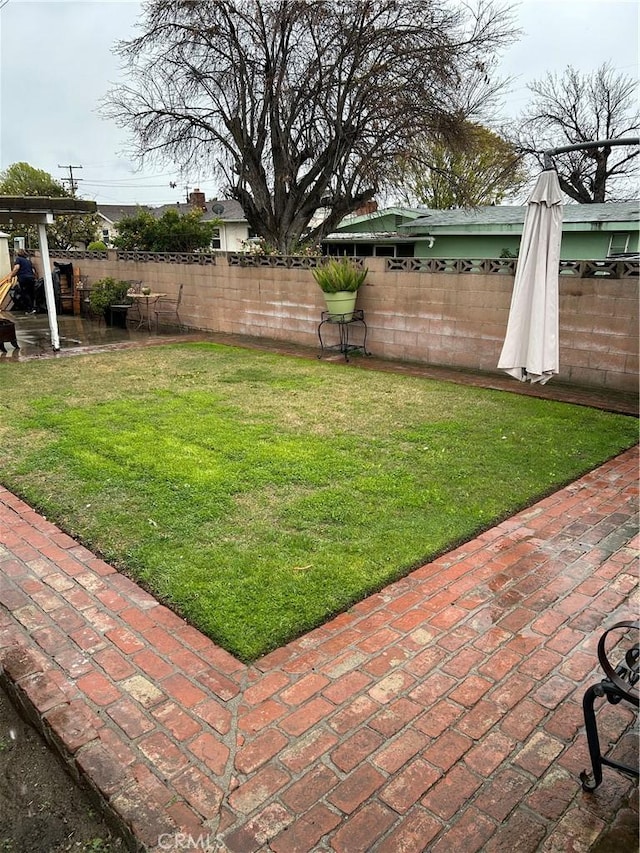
84,290
135,310
169,308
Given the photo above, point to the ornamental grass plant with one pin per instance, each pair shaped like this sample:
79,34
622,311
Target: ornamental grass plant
257,497
340,276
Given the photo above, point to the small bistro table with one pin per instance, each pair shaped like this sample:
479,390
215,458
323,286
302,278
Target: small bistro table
149,300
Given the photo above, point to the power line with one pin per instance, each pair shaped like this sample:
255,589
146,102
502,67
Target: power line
114,185
73,184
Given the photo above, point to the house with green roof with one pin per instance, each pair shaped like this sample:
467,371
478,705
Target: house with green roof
374,234
589,231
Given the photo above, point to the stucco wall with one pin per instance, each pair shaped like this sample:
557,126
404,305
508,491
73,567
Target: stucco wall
440,319
232,235
575,245
467,246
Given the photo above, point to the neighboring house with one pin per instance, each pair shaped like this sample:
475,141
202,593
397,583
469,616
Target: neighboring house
590,231
374,234
233,229
110,214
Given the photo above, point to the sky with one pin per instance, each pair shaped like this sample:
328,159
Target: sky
57,63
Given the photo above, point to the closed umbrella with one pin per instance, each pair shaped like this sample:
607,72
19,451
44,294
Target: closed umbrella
530,349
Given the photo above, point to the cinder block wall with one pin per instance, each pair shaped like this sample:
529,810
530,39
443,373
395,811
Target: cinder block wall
457,320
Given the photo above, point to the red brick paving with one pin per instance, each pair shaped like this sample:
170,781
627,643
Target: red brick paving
442,714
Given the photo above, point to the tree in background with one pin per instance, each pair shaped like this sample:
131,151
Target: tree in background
481,168
172,232
579,108
66,231
135,232
23,179
304,106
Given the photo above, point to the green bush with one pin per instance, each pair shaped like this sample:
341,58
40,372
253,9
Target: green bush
105,292
337,276
97,246
172,232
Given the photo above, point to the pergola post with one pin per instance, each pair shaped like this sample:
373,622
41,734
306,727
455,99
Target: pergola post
48,286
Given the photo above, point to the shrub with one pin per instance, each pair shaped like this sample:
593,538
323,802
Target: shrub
105,292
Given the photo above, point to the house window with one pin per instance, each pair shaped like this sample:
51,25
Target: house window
386,251
619,243
105,235
341,249
215,239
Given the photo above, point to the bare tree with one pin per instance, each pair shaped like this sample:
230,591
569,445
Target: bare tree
299,106
578,108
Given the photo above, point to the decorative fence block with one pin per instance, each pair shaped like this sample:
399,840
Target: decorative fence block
289,261
78,255
301,262
600,269
477,266
507,266
202,258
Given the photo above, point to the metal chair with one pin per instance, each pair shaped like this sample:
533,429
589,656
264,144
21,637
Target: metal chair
166,307
135,311
620,684
84,292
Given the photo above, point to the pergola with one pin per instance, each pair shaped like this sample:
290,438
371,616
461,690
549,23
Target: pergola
41,211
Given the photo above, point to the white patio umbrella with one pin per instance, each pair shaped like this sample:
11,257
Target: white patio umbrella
530,351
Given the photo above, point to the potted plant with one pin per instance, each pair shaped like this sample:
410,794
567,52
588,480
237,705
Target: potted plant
108,296
339,280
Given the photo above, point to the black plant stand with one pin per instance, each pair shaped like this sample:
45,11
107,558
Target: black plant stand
347,324
116,315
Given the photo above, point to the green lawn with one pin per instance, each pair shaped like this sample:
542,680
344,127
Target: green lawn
260,494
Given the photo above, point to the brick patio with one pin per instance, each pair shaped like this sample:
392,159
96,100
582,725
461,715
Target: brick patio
441,714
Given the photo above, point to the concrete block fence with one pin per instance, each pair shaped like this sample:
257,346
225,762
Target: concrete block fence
448,319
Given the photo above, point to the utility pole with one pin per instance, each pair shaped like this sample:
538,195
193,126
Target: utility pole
73,184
